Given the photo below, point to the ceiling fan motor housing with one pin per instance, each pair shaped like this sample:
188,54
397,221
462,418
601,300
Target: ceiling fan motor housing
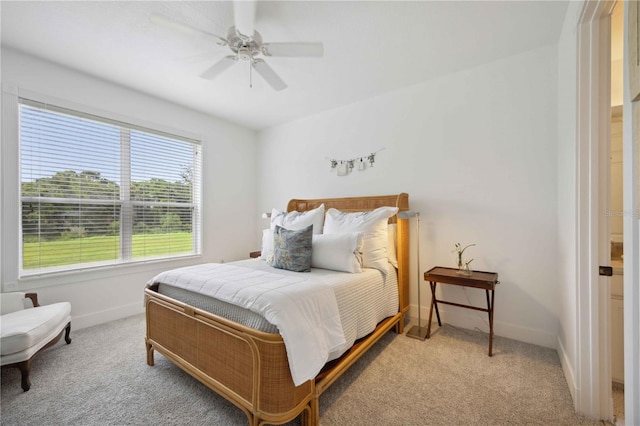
246,48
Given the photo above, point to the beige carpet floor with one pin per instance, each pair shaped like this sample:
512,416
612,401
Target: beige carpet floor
618,404
101,378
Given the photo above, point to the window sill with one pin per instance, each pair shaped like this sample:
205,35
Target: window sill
103,272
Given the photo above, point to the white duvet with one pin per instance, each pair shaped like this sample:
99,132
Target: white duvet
303,308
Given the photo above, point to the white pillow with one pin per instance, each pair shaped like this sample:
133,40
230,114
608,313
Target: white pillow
296,221
267,244
338,252
392,233
373,225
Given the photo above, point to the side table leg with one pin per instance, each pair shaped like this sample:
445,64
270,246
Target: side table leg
490,312
433,299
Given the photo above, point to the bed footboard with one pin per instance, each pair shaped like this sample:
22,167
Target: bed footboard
247,367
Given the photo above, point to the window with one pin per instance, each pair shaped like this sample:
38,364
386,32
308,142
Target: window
96,191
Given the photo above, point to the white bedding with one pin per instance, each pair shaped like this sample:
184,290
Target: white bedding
364,299
319,314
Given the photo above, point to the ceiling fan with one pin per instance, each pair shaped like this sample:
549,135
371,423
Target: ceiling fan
246,44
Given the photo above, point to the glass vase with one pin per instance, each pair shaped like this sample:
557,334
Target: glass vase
463,268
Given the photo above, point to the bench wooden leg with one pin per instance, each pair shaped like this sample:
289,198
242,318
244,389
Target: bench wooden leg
66,334
25,368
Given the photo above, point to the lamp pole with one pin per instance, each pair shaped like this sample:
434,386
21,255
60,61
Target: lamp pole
416,331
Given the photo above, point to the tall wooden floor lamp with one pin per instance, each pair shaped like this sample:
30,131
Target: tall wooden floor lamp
417,331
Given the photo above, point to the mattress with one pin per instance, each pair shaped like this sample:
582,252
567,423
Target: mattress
363,299
218,307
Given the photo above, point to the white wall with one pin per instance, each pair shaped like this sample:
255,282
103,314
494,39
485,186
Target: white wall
229,193
476,151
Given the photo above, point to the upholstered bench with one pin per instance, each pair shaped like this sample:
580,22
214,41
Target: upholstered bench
27,328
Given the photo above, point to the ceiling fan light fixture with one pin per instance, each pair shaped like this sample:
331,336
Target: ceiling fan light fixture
245,54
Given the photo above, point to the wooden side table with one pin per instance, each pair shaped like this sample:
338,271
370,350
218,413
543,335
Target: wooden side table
477,279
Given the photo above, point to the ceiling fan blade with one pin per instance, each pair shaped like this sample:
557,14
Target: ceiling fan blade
166,22
269,75
219,67
244,16
293,49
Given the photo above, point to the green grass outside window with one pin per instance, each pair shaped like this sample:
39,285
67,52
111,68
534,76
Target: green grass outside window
102,248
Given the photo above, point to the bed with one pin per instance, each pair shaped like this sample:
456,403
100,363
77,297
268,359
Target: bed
250,367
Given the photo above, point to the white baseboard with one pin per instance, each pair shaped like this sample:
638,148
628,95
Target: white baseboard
465,318
95,318
567,369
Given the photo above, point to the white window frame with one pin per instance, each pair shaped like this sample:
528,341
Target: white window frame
10,180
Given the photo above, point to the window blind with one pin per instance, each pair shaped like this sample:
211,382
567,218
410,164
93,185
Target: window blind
95,191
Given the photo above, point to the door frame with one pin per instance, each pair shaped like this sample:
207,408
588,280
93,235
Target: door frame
593,367
593,359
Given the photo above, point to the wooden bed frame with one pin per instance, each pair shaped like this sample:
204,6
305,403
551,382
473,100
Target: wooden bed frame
249,367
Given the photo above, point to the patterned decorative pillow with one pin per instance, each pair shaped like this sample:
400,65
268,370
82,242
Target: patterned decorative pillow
291,220
292,249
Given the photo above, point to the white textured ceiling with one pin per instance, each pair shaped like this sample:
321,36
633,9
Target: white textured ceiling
370,47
